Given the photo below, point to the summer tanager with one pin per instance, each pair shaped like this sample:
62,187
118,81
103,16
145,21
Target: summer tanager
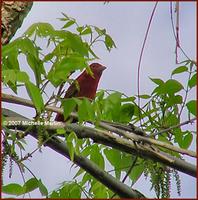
87,85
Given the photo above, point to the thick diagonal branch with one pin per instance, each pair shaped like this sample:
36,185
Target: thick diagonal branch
133,135
104,137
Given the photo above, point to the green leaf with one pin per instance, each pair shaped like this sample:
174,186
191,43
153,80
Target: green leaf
10,48
97,157
186,140
85,110
128,99
42,188
69,190
144,96
66,17
179,70
41,29
68,106
92,53
136,172
80,29
54,195
171,120
76,43
62,69
48,57
74,191
193,81
20,145
13,59
173,100
100,31
114,157
9,76
27,47
192,107
170,87
30,185
35,95
99,190
126,113
109,42
69,23
86,31
100,95
60,131
112,107
13,87
86,178
71,141
14,76
157,81
22,77
34,64
13,188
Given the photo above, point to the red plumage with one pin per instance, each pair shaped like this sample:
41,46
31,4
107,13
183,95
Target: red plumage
87,85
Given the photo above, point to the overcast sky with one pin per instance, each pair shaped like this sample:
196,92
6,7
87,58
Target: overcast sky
126,22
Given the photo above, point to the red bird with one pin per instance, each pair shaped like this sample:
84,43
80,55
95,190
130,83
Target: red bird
87,85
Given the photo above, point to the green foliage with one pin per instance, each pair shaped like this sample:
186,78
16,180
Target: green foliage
64,53
72,144
179,70
161,183
164,107
85,110
113,107
68,190
160,178
114,157
35,96
96,157
13,188
27,187
191,106
69,51
68,106
42,188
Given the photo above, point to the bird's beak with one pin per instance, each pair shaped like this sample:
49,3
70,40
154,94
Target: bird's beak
103,68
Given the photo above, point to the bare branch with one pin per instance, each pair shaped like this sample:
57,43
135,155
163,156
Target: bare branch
108,139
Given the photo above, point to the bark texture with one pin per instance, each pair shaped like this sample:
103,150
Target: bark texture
12,15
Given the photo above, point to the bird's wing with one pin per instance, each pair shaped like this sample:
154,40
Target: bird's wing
72,91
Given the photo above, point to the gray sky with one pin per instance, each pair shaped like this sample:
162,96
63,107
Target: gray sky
126,22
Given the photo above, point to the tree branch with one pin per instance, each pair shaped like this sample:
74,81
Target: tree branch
109,181
134,134
13,14
109,139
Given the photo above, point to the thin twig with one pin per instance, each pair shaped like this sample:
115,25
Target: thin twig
127,174
130,169
141,54
175,126
172,24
